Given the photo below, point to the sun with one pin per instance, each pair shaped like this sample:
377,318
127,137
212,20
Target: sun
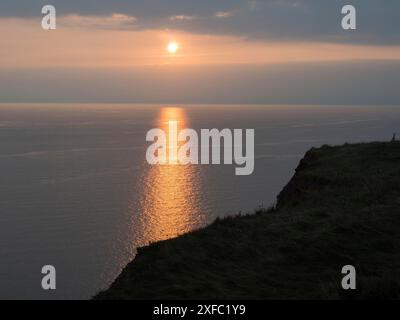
172,47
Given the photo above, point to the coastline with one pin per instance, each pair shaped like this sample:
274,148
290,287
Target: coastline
341,202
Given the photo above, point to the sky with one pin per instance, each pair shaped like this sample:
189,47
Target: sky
230,51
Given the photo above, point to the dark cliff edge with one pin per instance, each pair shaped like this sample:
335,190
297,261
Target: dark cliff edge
342,207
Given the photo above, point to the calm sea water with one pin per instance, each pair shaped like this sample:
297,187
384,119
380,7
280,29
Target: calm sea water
76,191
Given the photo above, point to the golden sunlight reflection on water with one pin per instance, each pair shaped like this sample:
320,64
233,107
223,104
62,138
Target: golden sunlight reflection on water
170,200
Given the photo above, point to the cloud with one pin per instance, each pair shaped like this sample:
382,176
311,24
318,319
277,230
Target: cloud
298,83
301,20
223,14
113,21
181,18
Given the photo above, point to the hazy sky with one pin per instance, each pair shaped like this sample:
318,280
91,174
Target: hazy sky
242,51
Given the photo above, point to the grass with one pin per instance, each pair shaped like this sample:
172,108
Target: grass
341,207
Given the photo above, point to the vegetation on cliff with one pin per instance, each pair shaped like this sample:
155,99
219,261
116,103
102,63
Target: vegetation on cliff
342,207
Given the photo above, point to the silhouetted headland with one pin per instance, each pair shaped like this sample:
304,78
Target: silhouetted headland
340,208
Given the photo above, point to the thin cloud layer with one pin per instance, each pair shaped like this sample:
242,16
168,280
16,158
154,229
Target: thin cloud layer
277,20
112,21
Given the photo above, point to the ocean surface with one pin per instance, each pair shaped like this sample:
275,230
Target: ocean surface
76,191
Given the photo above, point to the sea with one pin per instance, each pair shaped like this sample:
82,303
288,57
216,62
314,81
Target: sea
77,193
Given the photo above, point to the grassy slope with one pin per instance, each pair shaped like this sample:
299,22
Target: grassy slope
341,207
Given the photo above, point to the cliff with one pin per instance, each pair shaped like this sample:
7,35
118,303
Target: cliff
340,208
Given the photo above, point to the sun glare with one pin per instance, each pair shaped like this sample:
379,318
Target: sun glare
172,47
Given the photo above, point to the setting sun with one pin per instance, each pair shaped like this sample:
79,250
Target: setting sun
172,47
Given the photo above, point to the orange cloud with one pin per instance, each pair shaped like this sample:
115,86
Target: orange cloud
79,42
